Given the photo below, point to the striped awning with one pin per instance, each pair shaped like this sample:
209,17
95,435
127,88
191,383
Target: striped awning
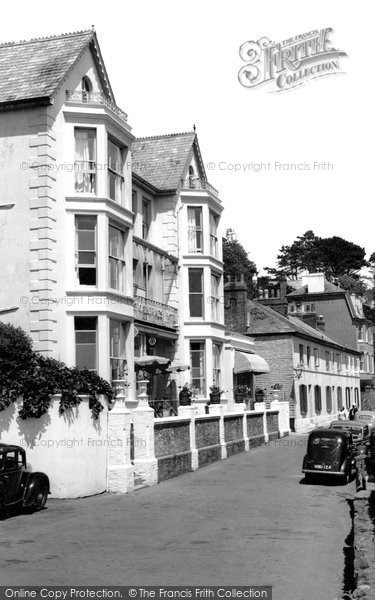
244,362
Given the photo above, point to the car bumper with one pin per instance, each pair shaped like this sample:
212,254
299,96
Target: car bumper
323,472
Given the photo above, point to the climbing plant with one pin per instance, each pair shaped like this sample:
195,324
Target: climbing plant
27,374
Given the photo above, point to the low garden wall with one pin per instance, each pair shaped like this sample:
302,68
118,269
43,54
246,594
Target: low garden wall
191,441
71,448
172,447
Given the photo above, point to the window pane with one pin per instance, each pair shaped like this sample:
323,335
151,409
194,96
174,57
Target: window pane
87,223
87,276
195,280
85,328
196,305
86,240
85,160
86,356
86,258
85,323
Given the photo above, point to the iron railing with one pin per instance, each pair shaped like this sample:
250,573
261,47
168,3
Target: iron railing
197,183
95,98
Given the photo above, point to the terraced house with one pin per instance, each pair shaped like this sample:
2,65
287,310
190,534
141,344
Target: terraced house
316,373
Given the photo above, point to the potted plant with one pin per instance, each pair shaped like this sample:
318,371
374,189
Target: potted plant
185,395
215,394
259,394
240,392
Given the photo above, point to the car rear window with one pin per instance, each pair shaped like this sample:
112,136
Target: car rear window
365,418
327,441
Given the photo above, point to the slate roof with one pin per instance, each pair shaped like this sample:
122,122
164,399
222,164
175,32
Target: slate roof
329,288
161,160
34,69
265,320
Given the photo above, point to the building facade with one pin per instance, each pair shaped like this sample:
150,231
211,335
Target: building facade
112,244
339,314
66,208
315,373
181,215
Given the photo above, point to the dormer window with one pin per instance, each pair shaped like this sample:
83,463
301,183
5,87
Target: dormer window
86,87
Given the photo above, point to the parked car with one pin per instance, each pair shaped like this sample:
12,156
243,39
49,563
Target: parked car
360,431
18,485
330,452
366,416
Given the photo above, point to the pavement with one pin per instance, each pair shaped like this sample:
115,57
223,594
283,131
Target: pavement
248,520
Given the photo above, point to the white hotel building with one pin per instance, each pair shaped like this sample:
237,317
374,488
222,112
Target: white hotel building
104,255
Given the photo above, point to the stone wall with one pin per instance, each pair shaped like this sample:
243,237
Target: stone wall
207,438
364,544
234,434
255,429
192,441
272,425
172,447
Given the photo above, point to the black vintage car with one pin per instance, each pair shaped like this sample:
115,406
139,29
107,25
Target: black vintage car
330,452
19,486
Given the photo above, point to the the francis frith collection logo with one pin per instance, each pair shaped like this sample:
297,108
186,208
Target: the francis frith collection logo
290,63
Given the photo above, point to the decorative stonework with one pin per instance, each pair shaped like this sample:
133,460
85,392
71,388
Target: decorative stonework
42,194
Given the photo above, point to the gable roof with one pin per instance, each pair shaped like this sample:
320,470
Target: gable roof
162,160
32,71
266,321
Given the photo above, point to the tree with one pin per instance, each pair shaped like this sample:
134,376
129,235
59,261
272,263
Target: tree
302,255
353,285
237,262
340,257
333,256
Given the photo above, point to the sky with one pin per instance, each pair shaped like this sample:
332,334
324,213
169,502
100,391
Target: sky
175,64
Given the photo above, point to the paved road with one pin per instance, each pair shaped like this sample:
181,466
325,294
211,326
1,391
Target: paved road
244,521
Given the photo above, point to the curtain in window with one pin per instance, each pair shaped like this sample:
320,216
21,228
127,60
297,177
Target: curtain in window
84,160
192,230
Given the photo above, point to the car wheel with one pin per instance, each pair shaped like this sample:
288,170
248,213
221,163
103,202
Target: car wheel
40,498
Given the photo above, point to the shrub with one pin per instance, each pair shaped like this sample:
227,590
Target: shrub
36,378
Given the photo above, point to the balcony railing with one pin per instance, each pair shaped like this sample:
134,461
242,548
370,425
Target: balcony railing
196,183
95,98
154,312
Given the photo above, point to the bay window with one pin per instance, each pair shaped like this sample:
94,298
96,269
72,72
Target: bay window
86,263
195,230
215,283
116,252
216,371
86,342
213,235
85,160
196,293
117,336
115,171
198,367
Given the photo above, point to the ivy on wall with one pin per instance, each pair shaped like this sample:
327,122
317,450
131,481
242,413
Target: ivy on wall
27,374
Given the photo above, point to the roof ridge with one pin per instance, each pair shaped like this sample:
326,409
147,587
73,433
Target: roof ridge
164,135
47,38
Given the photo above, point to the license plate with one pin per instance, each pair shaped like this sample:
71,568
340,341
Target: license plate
318,466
